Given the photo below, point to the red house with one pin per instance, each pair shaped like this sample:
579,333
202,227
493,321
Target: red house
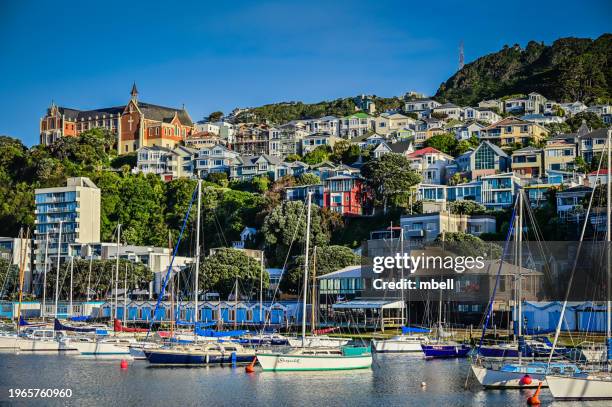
347,194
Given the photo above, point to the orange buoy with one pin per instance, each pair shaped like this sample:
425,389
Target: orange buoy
124,364
534,400
250,368
525,380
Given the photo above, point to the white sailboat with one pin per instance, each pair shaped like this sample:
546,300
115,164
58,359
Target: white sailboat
315,358
595,386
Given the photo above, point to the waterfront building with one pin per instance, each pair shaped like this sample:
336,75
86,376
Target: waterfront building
528,162
136,124
422,107
486,159
356,125
431,164
14,250
559,155
313,141
449,111
427,227
511,130
168,163
324,125
388,123
498,191
591,144
482,114
217,158
76,208
347,195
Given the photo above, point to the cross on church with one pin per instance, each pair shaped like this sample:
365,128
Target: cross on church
130,121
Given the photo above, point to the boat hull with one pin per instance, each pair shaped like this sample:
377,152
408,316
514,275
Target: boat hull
445,351
498,379
498,352
392,346
19,344
293,363
580,388
317,342
100,349
161,357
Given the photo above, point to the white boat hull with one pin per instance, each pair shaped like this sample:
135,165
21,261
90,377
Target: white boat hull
317,342
395,346
99,348
27,345
580,388
279,363
498,379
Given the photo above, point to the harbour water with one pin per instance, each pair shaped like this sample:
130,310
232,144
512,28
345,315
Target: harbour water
394,380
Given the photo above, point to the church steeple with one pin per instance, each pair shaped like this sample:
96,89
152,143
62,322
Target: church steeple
134,92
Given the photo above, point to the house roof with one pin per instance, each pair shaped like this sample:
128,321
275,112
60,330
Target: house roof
77,115
447,106
423,151
359,115
400,147
507,122
494,147
526,150
165,114
599,133
346,272
602,171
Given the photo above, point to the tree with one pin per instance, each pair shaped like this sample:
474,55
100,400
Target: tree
445,142
464,244
318,155
345,152
308,178
591,119
466,208
328,259
101,278
219,178
221,270
284,230
215,116
390,176
293,157
456,179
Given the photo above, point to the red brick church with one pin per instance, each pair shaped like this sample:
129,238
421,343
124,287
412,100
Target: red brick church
137,124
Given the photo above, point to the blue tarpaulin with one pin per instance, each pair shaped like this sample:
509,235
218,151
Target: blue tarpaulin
219,334
415,330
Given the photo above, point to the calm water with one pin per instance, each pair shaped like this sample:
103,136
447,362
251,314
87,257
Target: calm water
393,381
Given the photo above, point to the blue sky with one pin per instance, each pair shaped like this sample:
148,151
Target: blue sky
220,55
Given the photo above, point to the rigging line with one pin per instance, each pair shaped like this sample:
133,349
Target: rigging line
167,276
501,264
571,279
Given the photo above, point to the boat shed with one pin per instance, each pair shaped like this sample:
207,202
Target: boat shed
370,313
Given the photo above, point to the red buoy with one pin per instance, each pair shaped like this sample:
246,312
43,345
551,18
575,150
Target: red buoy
534,400
124,364
525,380
250,368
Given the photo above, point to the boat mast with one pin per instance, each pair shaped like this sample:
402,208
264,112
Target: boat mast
196,285
59,256
402,274
261,318
89,273
609,243
71,282
306,269
313,291
21,270
117,269
44,293
519,263
236,304
125,291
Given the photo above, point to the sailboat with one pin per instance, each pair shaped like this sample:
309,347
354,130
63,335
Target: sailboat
315,358
597,385
411,339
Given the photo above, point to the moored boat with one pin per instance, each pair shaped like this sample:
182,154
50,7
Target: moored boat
200,354
310,359
400,344
517,375
317,341
446,350
581,386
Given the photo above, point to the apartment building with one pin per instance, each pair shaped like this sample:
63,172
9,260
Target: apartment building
511,130
72,211
356,125
428,226
168,163
528,162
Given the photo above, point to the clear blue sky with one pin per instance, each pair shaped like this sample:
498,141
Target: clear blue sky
220,55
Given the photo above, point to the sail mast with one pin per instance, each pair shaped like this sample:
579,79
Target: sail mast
21,270
125,291
117,269
261,318
44,293
313,291
89,273
402,274
59,256
609,242
71,283
306,269
196,288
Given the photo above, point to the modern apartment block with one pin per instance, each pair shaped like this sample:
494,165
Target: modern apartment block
76,207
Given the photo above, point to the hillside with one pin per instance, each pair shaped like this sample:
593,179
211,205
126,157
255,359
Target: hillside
570,69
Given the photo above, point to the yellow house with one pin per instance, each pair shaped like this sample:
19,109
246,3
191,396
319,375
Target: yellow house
512,130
